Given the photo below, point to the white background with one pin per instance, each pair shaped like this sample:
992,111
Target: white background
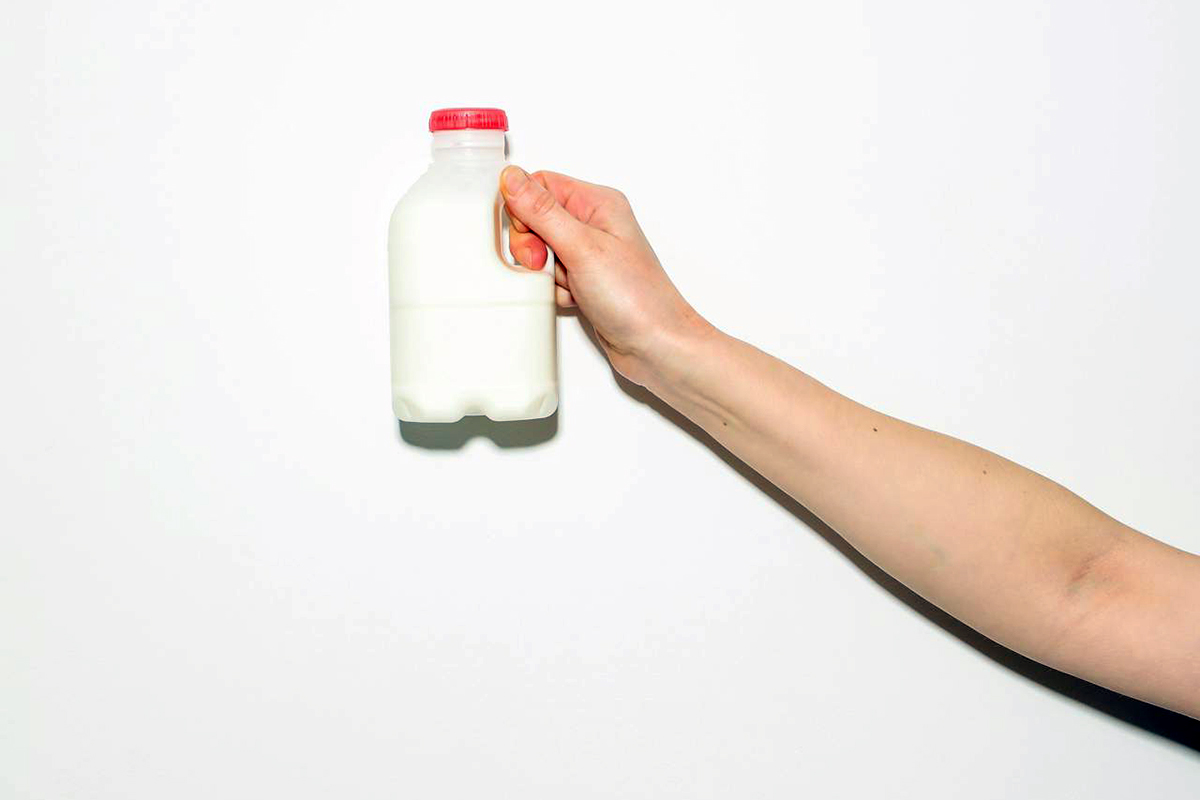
223,572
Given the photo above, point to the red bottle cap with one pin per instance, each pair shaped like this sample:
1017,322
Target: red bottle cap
457,119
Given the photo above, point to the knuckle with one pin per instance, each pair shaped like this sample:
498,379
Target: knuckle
543,203
618,201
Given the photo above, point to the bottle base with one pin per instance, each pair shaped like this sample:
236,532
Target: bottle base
500,406
453,361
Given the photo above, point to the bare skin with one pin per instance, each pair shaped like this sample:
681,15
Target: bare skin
1009,552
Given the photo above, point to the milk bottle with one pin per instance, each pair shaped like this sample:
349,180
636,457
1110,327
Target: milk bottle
472,332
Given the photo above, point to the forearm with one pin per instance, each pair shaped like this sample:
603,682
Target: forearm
1000,547
1003,549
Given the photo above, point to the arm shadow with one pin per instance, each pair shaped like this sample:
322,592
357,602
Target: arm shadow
1182,730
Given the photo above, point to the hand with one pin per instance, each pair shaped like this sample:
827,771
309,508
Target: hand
605,266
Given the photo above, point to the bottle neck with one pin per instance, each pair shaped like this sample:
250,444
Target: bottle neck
468,145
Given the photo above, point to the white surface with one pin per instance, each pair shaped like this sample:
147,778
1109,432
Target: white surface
222,572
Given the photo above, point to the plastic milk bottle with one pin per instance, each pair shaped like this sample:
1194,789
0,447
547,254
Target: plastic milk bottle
472,332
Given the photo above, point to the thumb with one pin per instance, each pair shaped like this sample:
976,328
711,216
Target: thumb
535,206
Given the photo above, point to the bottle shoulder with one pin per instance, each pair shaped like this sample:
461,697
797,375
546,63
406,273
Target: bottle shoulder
455,180
448,189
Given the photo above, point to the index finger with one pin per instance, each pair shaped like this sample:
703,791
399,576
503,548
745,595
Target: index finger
590,203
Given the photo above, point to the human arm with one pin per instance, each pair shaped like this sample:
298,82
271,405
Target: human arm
1007,551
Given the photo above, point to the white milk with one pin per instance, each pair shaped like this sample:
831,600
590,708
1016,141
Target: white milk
471,333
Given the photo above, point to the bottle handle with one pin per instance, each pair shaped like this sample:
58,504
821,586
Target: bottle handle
506,253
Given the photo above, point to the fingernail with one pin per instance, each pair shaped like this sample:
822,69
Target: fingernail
514,178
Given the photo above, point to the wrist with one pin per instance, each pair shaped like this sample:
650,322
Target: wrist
674,352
